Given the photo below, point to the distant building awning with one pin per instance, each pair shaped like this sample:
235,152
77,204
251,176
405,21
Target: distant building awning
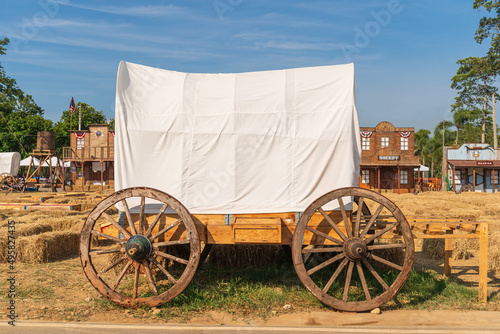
475,163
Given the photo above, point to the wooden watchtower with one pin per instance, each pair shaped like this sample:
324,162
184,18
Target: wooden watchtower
44,153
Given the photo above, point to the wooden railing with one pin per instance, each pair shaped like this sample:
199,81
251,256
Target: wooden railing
89,153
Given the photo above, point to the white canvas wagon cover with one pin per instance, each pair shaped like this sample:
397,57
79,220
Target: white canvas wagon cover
9,162
257,142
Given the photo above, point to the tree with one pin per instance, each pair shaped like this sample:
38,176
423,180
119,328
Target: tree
89,116
435,146
474,81
421,140
20,117
489,27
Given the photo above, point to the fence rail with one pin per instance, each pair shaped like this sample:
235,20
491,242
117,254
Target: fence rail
88,153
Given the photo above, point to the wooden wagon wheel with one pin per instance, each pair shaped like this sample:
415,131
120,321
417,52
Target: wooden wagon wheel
368,261
130,265
9,182
466,188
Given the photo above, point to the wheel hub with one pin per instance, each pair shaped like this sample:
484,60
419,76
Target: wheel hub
355,249
138,247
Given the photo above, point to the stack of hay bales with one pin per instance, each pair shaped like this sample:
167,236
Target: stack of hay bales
42,236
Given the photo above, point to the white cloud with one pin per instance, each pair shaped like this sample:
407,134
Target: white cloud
168,10
299,46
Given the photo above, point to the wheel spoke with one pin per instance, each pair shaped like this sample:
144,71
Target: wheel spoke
136,281
171,243
386,246
358,217
386,262
105,251
322,250
129,217
344,217
379,233
118,226
105,270
94,232
157,219
169,276
375,274
119,279
332,223
372,220
326,263
348,281
323,235
170,257
149,275
363,280
141,215
335,275
165,230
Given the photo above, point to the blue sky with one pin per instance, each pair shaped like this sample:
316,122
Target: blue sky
404,51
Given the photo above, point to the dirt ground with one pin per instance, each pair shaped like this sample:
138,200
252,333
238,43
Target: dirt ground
59,291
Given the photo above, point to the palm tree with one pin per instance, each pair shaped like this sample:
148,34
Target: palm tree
421,139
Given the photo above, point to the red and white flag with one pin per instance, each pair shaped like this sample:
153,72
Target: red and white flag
72,106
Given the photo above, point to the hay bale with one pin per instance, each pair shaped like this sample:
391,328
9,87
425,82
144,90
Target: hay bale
47,247
394,255
433,248
462,248
238,256
33,229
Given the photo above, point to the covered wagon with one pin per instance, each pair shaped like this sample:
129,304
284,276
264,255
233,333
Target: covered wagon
9,168
248,158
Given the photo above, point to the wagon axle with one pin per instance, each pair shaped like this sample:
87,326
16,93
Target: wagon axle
355,249
138,247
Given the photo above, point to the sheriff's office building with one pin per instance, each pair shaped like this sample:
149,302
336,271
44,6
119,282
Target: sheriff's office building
388,158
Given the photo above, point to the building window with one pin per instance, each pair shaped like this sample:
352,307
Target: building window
458,176
495,176
404,144
384,142
79,142
365,176
404,177
365,144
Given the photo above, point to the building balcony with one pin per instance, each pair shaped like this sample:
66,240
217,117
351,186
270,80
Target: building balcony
105,153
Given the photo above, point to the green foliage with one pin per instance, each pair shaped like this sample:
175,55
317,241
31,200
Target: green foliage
421,140
20,116
489,26
473,82
68,122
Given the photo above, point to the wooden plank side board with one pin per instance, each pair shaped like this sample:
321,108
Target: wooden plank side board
257,230
277,228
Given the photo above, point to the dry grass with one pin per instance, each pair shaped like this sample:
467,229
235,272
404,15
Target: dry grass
482,207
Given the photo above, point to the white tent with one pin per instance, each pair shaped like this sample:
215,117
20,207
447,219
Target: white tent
9,162
254,142
27,161
422,168
53,161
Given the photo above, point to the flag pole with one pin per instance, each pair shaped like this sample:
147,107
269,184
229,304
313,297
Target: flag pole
79,117
72,110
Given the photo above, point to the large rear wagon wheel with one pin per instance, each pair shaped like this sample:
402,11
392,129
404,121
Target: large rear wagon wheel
358,266
146,263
